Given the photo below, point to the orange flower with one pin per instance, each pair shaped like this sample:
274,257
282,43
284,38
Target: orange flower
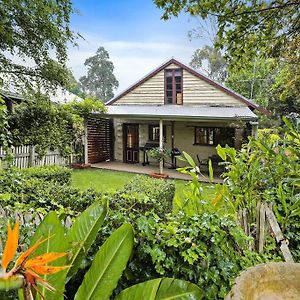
30,269
10,246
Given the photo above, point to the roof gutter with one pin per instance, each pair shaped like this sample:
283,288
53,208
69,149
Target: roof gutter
176,118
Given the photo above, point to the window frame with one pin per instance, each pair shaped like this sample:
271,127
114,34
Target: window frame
215,141
174,98
150,136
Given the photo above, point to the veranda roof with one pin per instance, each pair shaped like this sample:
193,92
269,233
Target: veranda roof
181,112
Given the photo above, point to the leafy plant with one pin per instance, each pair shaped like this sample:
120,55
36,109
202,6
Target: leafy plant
55,174
267,170
142,195
102,277
205,248
159,154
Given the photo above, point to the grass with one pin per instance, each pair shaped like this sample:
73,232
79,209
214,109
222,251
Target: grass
110,181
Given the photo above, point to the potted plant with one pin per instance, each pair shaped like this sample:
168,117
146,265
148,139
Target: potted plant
159,155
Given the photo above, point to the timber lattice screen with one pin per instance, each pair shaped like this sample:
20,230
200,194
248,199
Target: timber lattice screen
99,139
25,156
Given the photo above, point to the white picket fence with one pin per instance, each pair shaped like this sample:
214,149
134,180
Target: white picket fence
25,156
25,218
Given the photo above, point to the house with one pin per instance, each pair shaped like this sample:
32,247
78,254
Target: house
193,112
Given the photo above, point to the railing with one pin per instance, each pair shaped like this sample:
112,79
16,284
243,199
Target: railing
25,156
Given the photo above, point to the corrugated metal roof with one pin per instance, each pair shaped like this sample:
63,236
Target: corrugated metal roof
180,112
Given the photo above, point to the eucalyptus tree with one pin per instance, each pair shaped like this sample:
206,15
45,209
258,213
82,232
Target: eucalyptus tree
100,80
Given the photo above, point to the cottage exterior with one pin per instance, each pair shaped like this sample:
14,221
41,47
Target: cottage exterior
194,113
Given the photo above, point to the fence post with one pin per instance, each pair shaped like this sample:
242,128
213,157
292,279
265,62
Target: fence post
262,229
31,161
278,235
86,158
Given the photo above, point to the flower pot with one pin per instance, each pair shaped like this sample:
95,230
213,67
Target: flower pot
80,166
159,176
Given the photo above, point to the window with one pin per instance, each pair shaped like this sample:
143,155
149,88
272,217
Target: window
173,86
212,136
154,133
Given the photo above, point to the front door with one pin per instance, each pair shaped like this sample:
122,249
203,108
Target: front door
131,143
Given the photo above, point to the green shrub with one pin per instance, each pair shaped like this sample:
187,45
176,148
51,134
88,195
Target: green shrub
267,169
144,194
205,249
50,190
57,174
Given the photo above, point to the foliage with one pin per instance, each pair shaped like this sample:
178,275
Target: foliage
82,235
102,277
210,61
46,125
245,27
271,83
194,199
43,125
74,86
250,29
266,170
205,249
159,154
161,288
287,87
139,196
36,31
37,191
85,107
100,80
55,174
154,253
4,131
255,81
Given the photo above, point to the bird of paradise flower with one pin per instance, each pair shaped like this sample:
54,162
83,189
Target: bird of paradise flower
26,271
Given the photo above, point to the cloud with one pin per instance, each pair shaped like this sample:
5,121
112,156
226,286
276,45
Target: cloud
132,59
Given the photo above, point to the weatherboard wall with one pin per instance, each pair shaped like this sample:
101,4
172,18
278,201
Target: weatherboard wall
195,92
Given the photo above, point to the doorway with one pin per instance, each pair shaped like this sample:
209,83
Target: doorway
131,143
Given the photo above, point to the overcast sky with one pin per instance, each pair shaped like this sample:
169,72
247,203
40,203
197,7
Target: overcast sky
133,34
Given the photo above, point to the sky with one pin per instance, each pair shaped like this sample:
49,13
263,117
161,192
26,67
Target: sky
133,33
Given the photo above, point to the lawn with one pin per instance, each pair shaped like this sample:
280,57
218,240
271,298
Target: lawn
110,181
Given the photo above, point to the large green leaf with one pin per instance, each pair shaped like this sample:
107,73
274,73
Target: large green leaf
51,227
108,266
83,233
162,289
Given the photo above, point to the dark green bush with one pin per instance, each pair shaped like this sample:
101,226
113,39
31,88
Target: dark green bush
206,249
46,191
144,194
57,174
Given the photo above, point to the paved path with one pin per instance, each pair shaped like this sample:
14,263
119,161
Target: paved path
139,169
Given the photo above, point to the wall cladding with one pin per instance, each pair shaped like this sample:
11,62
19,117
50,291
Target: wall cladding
100,139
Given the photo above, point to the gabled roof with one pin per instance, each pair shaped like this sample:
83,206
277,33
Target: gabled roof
195,73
